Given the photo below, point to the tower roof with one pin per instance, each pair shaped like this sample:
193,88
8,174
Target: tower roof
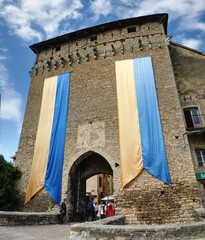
161,18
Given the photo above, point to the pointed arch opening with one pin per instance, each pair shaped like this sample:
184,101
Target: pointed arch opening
86,166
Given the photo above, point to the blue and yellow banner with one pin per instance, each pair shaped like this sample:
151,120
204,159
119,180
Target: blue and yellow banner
140,131
48,155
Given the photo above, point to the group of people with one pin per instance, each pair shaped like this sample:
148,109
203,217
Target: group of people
95,211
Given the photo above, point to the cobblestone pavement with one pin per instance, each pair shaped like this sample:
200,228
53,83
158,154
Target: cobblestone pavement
40,232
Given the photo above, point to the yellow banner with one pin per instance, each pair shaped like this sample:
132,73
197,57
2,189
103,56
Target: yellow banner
41,150
129,132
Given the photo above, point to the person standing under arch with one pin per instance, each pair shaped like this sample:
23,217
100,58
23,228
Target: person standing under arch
63,211
90,210
110,210
101,210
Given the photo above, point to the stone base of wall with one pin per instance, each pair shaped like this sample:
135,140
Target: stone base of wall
200,214
26,218
107,230
158,203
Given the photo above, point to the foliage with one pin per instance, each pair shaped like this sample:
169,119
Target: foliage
8,177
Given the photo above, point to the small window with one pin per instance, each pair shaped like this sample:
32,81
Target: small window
192,118
100,181
93,38
201,157
131,29
58,48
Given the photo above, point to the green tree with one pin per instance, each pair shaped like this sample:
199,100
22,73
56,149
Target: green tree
8,177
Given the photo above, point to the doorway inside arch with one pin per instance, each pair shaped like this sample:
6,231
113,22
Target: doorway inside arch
88,165
99,186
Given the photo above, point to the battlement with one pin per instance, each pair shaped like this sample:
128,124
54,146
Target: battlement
101,42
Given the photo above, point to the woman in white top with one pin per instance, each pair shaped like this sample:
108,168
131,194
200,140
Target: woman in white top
101,210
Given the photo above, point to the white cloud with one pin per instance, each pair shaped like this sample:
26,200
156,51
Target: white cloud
36,19
188,13
100,7
2,58
192,43
11,104
10,99
31,19
3,49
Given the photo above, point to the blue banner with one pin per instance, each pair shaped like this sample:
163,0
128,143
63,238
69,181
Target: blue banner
53,177
153,149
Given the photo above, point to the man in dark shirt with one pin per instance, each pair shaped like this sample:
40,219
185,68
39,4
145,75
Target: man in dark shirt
63,211
90,210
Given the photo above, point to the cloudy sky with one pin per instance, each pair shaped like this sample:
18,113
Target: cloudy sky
25,22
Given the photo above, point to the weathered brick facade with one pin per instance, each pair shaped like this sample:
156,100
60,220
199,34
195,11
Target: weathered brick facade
92,138
188,66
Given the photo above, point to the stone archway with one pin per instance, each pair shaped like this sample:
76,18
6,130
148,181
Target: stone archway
86,166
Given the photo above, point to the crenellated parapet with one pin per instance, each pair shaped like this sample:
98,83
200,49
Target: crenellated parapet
109,40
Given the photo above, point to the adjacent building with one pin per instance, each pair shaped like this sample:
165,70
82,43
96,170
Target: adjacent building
188,66
99,186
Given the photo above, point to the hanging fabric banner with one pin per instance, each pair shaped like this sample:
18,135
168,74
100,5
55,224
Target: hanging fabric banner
55,160
153,149
50,138
138,109
130,141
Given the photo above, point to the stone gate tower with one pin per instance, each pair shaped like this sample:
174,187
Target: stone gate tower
92,129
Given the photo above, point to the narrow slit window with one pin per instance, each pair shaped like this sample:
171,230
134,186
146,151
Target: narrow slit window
100,181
